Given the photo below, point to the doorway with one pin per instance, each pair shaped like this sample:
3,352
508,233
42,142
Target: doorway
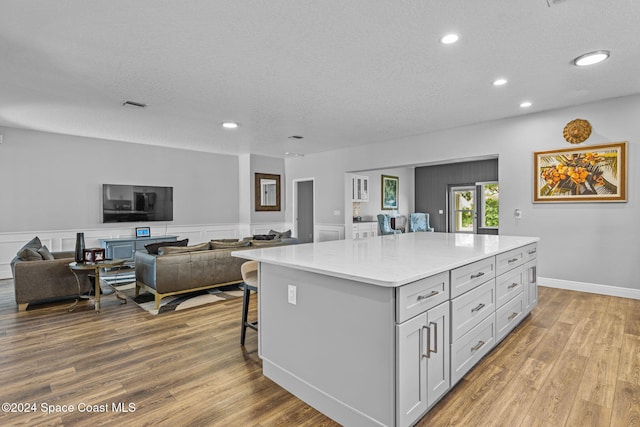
303,205
462,209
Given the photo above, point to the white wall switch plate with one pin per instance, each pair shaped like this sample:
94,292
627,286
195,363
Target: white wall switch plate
336,213
292,294
441,212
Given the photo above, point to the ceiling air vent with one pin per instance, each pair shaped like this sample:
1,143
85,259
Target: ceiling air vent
134,104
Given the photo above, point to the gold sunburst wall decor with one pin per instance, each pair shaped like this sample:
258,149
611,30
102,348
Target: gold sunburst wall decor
577,131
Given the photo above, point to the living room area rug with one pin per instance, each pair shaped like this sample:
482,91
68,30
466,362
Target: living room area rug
146,300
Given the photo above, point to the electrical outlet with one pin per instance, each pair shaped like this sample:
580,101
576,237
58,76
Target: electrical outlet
292,294
441,212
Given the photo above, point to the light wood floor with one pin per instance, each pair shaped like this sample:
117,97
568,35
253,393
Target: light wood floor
574,362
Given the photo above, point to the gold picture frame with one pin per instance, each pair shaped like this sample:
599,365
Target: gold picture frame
596,173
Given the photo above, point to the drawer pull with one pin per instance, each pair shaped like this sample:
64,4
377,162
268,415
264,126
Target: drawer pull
512,260
475,276
477,346
513,285
428,353
429,295
513,316
435,337
478,307
532,252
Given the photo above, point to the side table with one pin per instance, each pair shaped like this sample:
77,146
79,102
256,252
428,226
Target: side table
96,267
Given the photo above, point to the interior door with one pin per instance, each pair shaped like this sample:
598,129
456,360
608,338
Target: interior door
304,210
462,209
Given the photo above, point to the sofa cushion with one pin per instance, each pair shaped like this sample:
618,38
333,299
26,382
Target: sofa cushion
152,248
166,250
229,243
45,254
29,254
266,242
280,234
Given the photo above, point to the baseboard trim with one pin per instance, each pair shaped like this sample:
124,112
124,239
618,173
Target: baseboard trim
592,288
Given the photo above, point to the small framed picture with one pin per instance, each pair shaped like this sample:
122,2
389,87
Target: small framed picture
143,232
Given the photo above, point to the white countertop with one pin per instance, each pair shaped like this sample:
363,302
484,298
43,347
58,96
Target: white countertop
391,260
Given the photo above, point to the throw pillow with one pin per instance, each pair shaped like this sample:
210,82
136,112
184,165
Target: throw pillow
280,234
32,244
45,254
29,254
229,243
152,248
263,237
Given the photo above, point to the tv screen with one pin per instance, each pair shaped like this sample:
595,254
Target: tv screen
136,203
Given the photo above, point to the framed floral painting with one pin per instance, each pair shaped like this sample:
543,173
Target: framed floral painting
389,192
595,173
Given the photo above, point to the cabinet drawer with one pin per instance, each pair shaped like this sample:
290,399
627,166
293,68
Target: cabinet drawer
509,260
509,285
530,252
417,297
508,316
471,308
471,275
469,349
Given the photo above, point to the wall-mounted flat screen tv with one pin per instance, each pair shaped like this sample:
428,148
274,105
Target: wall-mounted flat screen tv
136,203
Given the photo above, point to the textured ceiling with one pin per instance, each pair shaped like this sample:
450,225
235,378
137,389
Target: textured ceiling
340,73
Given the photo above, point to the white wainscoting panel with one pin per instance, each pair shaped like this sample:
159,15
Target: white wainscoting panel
328,232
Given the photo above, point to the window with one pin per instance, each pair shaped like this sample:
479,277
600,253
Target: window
490,204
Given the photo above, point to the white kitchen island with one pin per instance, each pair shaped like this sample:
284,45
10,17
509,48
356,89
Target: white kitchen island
376,331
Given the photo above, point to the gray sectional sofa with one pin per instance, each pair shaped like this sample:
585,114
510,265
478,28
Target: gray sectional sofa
177,270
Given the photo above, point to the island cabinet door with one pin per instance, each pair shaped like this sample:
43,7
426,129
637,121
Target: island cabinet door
422,371
531,286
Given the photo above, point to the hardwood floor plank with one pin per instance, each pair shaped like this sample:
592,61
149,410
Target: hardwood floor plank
187,368
554,401
629,369
626,405
599,380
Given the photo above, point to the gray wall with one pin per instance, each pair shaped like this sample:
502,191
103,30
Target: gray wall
582,242
54,182
432,185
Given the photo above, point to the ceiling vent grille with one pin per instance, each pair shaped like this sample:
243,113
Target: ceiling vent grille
134,104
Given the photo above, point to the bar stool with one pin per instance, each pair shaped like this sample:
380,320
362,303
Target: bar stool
249,271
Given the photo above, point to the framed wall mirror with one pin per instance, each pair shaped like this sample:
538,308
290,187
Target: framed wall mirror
267,192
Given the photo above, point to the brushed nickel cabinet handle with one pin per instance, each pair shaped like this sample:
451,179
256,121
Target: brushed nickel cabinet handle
435,337
477,346
513,316
512,260
428,353
532,252
429,295
475,276
513,285
478,307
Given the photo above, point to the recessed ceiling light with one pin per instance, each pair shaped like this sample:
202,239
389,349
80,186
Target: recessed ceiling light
499,82
526,104
449,38
290,154
591,58
229,125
